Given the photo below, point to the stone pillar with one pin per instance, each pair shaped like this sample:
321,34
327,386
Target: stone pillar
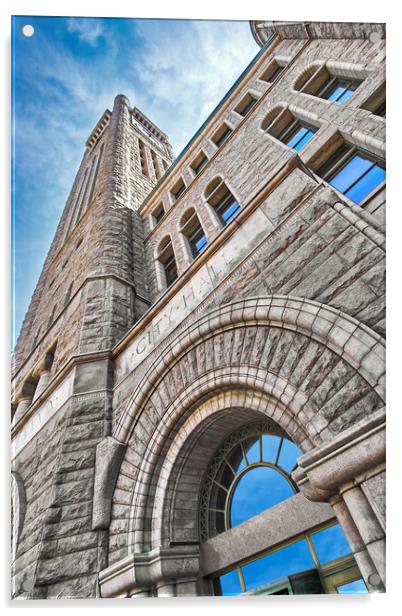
367,525
42,383
359,549
334,473
23,406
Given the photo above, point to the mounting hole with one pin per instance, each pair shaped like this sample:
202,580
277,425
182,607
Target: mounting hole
28,30
374,579
374,37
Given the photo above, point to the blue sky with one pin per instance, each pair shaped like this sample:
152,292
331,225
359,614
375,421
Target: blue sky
69,72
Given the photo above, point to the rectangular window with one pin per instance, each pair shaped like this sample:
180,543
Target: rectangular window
338,90
245,105
199,163
221,135
353,172
271,73
297,134
198,242
158,213
178,189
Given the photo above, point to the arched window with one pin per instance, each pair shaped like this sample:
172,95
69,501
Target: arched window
221,199
250,473
329,81
193,233
283,125
167,261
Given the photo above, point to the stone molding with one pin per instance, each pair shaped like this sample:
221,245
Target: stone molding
324,471
146,571
357,344
108,458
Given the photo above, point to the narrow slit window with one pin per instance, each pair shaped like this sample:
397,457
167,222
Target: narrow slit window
143,158
246,105
178,189
155,164
221,135
158,213
272,72
199,163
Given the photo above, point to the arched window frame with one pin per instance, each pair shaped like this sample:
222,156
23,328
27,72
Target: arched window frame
218,195
192,233
321,79
210,525
166,263
291,126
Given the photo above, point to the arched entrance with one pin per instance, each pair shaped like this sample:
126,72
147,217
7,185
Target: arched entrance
314,373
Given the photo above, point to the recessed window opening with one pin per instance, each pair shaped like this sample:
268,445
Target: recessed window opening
158,213
143,158
376,103
165,165
155,164
199,163
338,90
167,259
194,233
353,172
272,72
222,201
221,135
178,189
246,104
297,134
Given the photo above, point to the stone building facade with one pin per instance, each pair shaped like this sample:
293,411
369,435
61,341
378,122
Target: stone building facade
189,312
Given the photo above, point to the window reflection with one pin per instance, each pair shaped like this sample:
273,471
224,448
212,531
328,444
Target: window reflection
294,569
291,559
258,489
330,543
356,587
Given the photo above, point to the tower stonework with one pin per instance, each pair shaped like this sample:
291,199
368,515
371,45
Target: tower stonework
189,309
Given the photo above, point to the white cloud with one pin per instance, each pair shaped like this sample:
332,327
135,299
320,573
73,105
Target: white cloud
87,29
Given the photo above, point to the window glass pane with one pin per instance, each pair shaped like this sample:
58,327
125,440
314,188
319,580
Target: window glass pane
230,583
259,488
201,244
270,444
230,212
236,459
356,587
330,544
303,141
252,448
373,178
336,93
294,558
345,96
288,456
351,172
297,136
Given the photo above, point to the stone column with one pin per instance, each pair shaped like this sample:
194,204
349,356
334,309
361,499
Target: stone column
333,472
359,549
42,383
367,525
23,406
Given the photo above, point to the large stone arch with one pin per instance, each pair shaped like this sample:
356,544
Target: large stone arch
314,370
